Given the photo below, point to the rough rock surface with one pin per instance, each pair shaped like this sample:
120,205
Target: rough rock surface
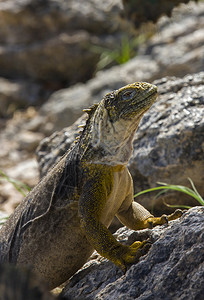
168,146
21,284
17,160
16,94
138,11
47,45
51,40
173,268
52,148
176,50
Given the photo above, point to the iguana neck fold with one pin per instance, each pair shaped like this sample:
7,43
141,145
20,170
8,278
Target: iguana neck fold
114,138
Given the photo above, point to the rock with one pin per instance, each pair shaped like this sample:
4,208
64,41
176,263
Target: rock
17,160
54,16
172,269
68,105
20,178
47,45
16,94
19,284
25,172
179,45
138,11
20,137
29,140
52,148
168,146
51,41
9,197
176,50
3,217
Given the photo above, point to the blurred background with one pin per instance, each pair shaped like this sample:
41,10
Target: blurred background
60,56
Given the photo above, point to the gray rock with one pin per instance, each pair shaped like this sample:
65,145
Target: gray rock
54,16
70,29
175,50
173,268
52,148
21,284
168,146
28,140
52,40
53,43
3,217
68,105
178,46
16,94
21,178
138,11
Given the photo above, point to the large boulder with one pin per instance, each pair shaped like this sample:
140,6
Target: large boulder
172,269
52,41
168,145
175,50
54,44
46,45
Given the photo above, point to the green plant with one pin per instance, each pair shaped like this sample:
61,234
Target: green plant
3,220
164,186
123,52
19,186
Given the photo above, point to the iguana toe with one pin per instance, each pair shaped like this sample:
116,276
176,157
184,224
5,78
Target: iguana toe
164,219
133,254
176,214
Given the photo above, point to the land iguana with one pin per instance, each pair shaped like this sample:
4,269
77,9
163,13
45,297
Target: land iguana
66,216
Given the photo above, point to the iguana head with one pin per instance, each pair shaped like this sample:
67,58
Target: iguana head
112,123
130,101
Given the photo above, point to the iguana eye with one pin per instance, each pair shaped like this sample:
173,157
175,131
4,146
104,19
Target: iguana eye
128,94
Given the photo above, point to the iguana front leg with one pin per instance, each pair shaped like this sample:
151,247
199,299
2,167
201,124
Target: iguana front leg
91,204
136,217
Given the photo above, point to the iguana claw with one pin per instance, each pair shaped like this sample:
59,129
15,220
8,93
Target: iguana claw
164,219
134,252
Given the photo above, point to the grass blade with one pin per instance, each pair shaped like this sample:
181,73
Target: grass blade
180,188
19,186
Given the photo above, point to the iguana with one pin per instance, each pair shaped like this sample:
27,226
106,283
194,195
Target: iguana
66,216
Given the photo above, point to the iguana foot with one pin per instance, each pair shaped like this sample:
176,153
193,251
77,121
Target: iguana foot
130,254
154,221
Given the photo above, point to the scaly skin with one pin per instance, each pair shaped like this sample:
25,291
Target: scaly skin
66,216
